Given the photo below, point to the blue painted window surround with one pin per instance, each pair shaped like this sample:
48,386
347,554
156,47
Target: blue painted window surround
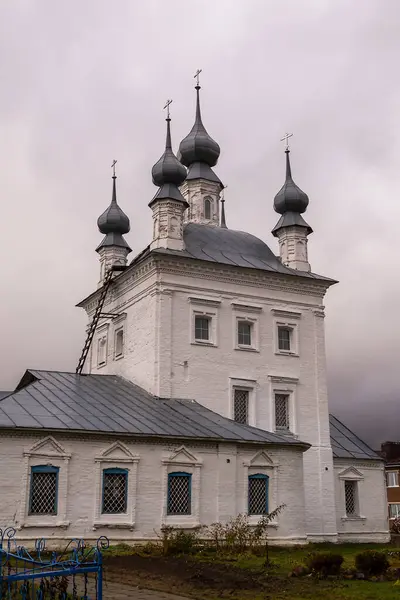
179,494
258,494
43,492
115,491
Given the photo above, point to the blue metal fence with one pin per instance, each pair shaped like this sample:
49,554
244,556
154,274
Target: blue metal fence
76,572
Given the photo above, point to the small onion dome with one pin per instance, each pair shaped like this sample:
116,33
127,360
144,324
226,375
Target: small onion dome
290,197
198,146
113,219
168,169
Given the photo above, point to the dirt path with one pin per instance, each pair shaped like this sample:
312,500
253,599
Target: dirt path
123,591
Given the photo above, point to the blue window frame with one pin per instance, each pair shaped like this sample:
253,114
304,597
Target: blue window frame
115,491
258,494
179,494
43,492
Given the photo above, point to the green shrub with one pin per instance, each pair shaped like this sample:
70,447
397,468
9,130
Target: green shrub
179,541
325,563
372,562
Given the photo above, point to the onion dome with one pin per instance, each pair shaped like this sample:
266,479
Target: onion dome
168,173
198,146
113,223
168,169
290,197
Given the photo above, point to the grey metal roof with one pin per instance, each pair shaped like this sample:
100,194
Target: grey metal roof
110,404
229,247
345,443
4,394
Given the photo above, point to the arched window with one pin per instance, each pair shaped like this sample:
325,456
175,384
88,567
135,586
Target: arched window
207,207
258,494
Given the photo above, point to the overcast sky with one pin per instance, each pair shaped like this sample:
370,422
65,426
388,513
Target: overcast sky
84,82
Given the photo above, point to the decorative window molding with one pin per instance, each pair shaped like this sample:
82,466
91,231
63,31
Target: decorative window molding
247,386
286,333
46,453
182,463
204,309
208,207
246,331
116,459
283,386
351,487
247,308
204,301
262,465
102,345
119,342
285,314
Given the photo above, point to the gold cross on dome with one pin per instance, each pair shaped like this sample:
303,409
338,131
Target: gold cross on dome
167,107
286,139
196,76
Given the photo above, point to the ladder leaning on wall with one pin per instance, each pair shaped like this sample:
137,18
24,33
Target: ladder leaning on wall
98,314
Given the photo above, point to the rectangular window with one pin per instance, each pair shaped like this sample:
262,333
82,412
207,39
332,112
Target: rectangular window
43,490
244,331
258,494
392,478
202,326
241,406
394,511
351,501
115,491
284,338
119,343
179,494
101,350
282,412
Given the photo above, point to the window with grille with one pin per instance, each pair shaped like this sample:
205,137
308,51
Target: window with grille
284,338
43,490
258,494
207,208
282,412
101,350
202,328
115,491
179,494
241,406
119,342
394,511
350,495
392,478
244,332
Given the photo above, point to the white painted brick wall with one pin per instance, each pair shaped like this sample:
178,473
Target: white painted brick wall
222,487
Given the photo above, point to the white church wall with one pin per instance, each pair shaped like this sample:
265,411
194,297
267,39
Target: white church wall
369,523
209,372
219,486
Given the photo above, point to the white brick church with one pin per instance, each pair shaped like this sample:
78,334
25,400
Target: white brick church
204,392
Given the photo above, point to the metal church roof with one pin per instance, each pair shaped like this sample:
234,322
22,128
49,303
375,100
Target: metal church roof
345,443
227,246
110,404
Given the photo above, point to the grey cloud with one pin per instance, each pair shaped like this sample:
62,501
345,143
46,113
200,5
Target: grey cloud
85,82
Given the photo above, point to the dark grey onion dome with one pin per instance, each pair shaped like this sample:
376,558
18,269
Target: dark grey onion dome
168,169
290,197
113,219
198,146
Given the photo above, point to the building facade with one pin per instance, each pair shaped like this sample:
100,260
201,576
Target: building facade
212,316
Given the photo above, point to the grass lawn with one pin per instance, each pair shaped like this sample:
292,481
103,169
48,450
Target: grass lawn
207,576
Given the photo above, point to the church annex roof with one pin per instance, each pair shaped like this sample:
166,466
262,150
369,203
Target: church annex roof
229,247
54,400
345,443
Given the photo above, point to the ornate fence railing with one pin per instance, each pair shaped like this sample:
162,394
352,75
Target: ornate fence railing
76,572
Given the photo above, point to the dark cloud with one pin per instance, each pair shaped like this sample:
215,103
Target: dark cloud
84,83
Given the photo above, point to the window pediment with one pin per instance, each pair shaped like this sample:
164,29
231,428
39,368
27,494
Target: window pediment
48,447
117,453
261,460
183,457
351,473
